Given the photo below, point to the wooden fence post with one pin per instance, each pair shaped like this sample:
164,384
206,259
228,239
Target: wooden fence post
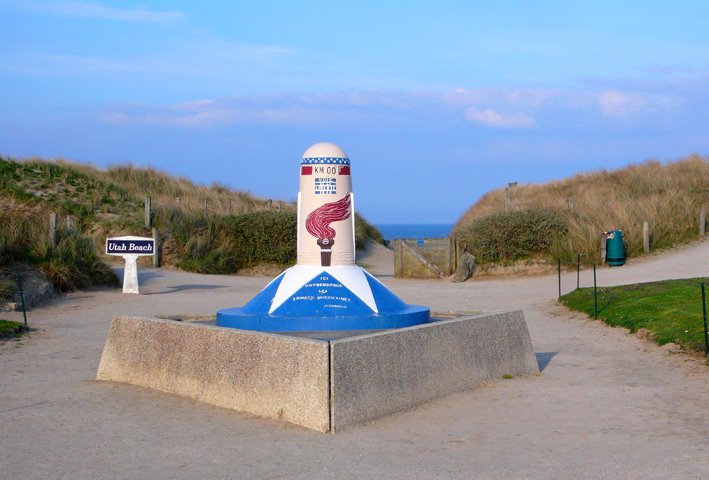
148,212
230,206
156,254
508,195
646,237
604,239
204,204
52,229
702,222
70,223
452,250
399,259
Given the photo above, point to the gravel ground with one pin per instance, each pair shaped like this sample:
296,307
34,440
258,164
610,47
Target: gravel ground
607,404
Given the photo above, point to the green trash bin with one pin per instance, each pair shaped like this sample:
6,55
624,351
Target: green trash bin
615,253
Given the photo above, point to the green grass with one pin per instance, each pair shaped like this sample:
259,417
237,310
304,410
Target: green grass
671,309
11,329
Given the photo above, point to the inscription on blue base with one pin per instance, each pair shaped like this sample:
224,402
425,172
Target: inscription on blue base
324,303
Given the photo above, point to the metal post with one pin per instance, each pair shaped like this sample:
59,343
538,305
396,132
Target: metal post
704,311
24,309
578,271
595,294
558,270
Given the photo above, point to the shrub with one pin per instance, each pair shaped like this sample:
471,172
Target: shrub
263,237
509,236
212,244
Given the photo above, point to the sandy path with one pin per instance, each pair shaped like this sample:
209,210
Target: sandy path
607,405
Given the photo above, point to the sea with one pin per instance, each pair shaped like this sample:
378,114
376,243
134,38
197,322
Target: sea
392,231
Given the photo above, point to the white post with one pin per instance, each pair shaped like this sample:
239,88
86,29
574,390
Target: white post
140,247
130,274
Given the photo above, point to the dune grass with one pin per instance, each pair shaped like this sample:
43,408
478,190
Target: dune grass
85,190
668,196
236,230
670,309
71,263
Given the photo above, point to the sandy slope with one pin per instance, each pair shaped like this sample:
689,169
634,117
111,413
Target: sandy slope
607,405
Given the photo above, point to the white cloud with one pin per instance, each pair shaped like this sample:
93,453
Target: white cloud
198,113
491,118
99,11
517,97
618,103
287,109
495,109
210,112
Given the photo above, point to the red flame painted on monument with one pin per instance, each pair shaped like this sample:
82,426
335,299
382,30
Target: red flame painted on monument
319,220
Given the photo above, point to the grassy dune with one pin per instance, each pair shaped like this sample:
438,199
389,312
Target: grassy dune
83,190
668,196
225,237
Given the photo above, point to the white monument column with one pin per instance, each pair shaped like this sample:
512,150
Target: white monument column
325,207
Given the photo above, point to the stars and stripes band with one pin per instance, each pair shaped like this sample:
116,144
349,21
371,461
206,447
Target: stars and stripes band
324,161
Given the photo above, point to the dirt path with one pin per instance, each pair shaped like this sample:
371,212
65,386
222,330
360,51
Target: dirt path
607,404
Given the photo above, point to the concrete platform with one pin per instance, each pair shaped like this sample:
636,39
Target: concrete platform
324,385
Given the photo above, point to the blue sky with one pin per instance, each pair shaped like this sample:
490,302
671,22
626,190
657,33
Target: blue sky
435,102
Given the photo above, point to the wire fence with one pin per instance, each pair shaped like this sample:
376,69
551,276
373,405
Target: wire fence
706,329
578,264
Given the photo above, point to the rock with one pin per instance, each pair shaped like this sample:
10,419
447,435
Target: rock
36,287
466,267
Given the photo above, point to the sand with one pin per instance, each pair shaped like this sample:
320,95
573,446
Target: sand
607,404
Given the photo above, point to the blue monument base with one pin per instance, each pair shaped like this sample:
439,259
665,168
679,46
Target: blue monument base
239,318
314,298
